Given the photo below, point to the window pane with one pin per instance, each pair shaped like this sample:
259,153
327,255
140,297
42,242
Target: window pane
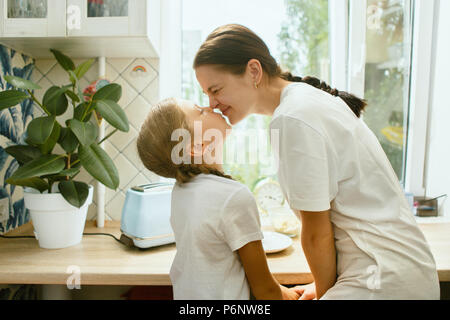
107,8
303,39
27,8
388,49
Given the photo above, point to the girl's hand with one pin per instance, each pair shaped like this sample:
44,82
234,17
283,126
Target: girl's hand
289,293
306,292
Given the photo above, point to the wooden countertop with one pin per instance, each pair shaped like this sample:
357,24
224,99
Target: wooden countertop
104,261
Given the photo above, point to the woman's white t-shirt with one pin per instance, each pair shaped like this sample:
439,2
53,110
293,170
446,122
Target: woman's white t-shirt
329,159
212,217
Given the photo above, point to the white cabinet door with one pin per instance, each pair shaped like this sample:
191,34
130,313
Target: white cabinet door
28,18
110,18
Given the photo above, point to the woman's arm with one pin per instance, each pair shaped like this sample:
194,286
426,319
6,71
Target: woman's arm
318,245
262,283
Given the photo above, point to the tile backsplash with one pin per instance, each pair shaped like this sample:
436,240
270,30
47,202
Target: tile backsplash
139,78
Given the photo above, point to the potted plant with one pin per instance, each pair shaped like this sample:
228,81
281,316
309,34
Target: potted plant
57,202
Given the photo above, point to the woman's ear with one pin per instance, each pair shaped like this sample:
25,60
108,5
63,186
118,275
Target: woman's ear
255,70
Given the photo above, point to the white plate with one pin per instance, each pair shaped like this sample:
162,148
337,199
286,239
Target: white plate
275,242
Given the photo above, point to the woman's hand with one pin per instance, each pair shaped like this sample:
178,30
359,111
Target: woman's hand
289,293
306,292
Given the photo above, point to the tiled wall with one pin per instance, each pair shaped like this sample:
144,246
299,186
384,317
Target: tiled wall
139,80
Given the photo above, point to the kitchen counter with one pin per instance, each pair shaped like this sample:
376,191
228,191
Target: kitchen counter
101,260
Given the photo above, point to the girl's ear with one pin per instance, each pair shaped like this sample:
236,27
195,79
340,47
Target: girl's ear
255,69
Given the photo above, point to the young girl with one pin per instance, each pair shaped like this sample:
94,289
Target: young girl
214,218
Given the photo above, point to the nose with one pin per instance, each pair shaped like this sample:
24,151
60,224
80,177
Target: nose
212,102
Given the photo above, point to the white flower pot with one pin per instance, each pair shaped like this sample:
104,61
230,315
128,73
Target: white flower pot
57,224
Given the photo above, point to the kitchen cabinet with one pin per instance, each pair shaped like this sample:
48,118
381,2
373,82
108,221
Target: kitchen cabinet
38,18
82,28
109,18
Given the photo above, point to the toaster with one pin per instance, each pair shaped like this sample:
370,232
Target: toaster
145,218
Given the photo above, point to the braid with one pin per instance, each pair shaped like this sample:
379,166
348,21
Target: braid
315,82
356,104
185,172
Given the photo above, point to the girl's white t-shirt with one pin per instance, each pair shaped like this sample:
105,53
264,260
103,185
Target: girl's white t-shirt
329,159
211,218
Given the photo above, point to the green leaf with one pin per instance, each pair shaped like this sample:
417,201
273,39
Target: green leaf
63,60
73,77
83,68
55,100
50,143
112,91
23,154
62,176
72,95
99,165
68,140
74,192
70,172
34,182
39,129
46,164
21,83
10,98
113,113
79,111
73,158
86,132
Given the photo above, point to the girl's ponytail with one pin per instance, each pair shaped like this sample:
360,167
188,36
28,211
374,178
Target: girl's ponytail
356,104
185,172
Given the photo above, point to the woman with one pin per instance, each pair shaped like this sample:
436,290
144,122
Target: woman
359,236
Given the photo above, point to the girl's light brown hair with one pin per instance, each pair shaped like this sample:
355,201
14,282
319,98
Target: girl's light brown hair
155,145
231,46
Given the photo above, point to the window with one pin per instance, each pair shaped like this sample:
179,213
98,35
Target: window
296,32
380,50
387,69
389,63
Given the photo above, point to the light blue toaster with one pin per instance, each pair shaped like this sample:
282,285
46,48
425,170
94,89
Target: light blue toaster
146,215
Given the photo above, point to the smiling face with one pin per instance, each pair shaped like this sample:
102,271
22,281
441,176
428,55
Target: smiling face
206,116
214,131
233,95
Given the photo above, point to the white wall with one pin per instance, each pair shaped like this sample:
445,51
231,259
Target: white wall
437,174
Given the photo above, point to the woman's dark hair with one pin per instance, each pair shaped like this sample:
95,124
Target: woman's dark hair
231,46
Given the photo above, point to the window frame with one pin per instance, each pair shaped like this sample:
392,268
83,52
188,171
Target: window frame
420,95
419,80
